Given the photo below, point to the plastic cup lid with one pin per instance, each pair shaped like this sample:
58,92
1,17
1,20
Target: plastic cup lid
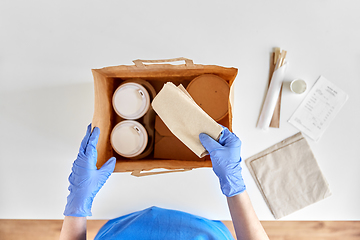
129,138
131,100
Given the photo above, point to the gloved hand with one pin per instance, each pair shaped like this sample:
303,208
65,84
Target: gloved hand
225,158
85,179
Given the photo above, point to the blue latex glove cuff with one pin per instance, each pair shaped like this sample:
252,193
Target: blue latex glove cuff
85,179
225,158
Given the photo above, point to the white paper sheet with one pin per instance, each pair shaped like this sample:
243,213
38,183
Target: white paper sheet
319,108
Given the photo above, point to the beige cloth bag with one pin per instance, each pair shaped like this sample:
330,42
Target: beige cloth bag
288,176
185,119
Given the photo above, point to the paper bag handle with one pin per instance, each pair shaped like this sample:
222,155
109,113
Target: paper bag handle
140,63
138,173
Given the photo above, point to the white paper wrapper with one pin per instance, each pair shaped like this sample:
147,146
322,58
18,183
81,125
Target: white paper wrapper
272,97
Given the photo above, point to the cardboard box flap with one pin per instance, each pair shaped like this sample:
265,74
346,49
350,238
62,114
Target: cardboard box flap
162,129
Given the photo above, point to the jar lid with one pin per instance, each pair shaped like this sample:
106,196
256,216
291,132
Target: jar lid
298,86
211,93
131,100
129,138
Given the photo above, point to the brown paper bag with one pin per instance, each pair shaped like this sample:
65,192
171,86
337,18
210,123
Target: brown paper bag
275,121
288,176
106,80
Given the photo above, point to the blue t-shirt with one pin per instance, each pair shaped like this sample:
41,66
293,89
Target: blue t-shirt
158,223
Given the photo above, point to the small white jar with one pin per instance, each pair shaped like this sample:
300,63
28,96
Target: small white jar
298,86
129,138
131,100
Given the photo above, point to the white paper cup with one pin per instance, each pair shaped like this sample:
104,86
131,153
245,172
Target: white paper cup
131,100
298,86
129,138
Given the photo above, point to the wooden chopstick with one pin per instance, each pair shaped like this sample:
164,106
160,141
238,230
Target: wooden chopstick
283,59
277,53
280,61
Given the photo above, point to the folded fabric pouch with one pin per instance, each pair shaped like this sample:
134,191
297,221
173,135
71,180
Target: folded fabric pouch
185,119
288,176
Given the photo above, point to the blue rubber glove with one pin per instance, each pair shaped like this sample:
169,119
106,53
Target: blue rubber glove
225,158
85,179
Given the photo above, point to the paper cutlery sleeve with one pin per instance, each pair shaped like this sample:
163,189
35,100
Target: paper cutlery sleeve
271,97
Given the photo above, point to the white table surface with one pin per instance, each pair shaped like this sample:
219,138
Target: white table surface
47,49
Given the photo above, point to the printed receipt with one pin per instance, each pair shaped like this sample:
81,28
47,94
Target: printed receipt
319,108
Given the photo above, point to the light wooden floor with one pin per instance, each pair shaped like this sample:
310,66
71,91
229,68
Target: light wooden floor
277,230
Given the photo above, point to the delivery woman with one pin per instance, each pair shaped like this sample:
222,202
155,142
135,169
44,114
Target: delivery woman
157,223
